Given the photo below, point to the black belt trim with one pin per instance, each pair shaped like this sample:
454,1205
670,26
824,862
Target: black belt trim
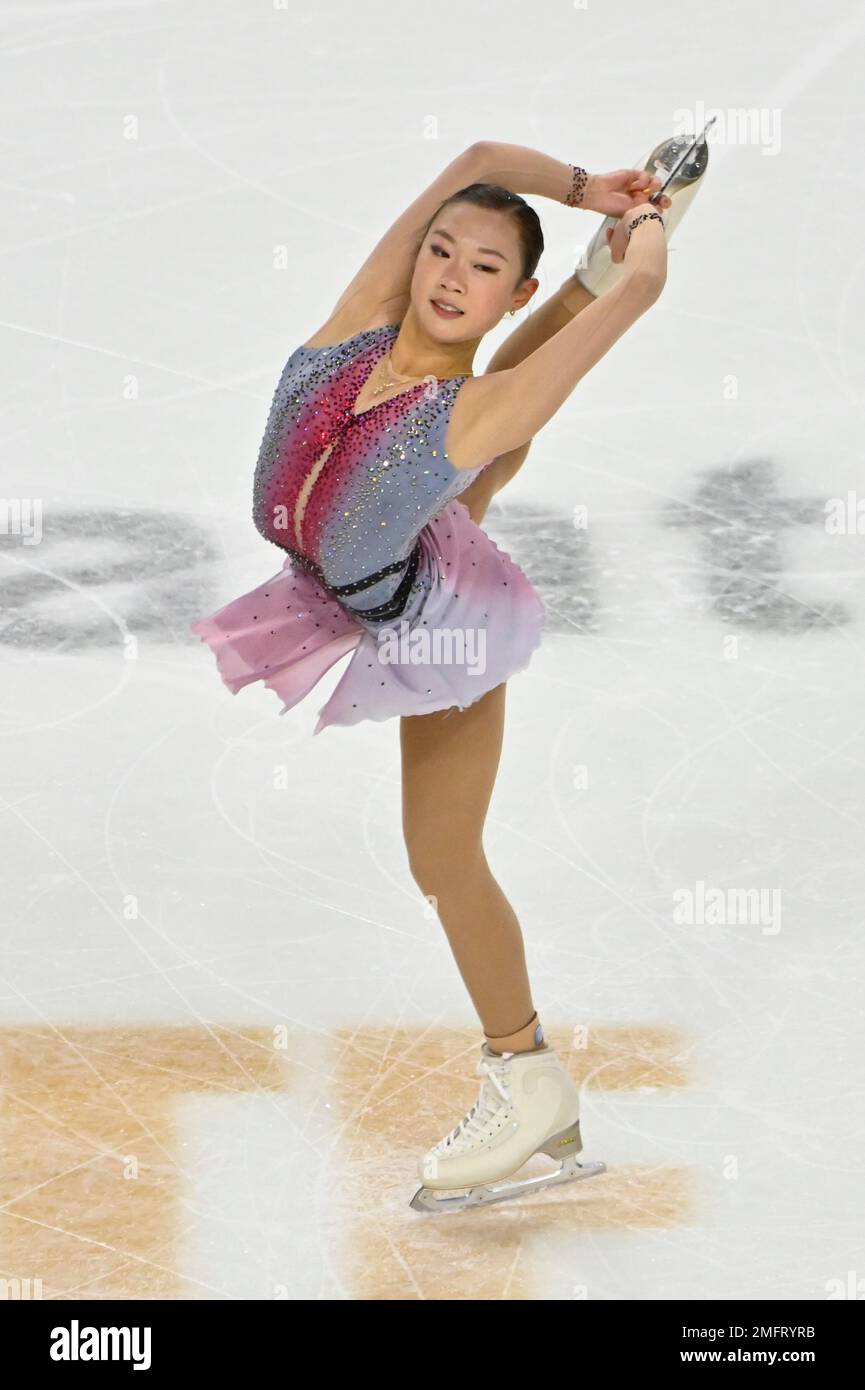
371,579
394,605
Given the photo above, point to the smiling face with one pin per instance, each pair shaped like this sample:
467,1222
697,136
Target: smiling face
471,259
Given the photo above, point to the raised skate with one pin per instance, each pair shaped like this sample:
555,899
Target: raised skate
681,163
528,1105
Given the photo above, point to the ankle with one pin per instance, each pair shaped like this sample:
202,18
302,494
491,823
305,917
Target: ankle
529,1038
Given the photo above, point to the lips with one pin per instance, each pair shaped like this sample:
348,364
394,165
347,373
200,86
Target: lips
448,313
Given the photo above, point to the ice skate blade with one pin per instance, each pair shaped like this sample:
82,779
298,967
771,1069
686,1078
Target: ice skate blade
427,1198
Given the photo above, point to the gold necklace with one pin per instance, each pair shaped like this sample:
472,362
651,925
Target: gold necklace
397,379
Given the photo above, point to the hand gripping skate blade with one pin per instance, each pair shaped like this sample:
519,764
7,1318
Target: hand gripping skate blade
428,1199
683,163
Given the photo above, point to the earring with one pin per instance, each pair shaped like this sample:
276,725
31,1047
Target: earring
512,312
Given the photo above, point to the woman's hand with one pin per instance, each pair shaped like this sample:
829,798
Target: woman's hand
616,193
618,238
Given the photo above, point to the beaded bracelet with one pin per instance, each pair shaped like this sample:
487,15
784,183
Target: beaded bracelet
578,187
644,217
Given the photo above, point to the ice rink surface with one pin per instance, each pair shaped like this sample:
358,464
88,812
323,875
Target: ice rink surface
229,1020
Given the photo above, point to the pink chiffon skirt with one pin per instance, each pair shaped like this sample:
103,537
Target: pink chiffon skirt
472,620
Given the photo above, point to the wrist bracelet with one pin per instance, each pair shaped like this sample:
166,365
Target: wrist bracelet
644,217
578,187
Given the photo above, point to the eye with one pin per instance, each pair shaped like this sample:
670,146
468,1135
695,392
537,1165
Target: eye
494,269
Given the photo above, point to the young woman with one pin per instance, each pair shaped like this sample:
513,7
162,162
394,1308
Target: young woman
377,427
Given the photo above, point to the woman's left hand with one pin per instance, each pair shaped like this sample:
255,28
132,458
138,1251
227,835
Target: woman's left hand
616,193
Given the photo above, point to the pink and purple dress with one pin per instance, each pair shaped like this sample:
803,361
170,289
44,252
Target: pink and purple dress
382,559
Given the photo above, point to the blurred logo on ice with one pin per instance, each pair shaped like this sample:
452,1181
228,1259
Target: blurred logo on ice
93,577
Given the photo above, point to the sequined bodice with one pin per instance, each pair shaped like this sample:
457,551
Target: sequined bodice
350,493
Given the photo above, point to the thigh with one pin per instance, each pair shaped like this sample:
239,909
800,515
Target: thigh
449,765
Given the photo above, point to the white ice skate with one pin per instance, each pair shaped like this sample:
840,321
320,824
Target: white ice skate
528,1104
681,163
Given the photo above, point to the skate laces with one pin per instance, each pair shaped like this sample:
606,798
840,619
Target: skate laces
494,1095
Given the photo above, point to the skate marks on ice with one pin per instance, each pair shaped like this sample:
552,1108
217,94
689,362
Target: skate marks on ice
401,1090
94,1195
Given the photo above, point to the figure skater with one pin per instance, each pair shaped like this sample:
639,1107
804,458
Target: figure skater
381,454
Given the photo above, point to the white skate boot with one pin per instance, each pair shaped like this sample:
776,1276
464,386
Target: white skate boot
528,1104
681,163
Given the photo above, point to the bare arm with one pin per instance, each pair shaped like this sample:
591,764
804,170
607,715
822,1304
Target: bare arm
557,310
524,170
384,279
382,284
385,275
501,410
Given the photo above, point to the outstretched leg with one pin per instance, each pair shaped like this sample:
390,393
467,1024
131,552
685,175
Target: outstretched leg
449,764
569,300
